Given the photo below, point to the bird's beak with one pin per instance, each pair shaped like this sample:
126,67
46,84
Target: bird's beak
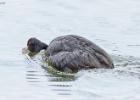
28,52
25,50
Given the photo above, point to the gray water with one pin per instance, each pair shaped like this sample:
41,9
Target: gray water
114,25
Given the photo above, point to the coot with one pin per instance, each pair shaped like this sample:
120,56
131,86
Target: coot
71,53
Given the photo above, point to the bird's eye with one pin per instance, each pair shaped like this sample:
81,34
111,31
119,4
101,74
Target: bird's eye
31,44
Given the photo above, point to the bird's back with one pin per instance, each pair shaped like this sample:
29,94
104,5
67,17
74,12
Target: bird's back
75,51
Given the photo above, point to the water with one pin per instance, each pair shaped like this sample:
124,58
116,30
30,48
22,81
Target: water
114,25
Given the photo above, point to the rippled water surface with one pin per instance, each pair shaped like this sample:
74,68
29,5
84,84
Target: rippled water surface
114,25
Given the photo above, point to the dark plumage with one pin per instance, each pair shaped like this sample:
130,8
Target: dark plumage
35,45
72,53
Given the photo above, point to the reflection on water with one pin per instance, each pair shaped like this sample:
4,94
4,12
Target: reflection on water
88,84
37,75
